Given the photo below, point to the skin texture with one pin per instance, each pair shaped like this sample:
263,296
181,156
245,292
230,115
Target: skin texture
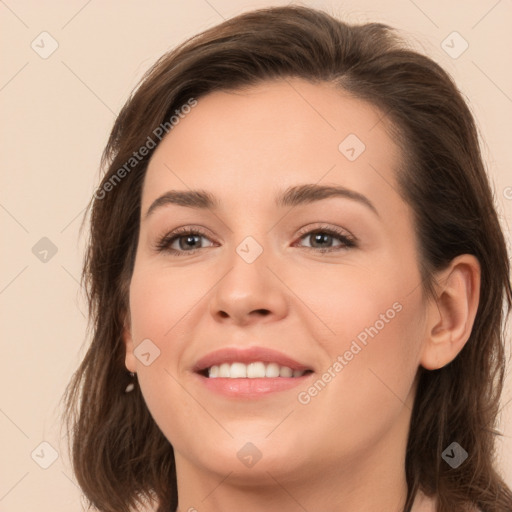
345,448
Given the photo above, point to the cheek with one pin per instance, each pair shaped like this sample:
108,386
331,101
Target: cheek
369,325
159,309
160,300
374,303
385,345
374,359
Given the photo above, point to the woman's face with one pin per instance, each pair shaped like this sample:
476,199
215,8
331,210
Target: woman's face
280,273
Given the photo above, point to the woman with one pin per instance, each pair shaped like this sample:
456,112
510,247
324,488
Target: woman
296,278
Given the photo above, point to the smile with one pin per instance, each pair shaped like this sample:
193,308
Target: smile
249,372
255,370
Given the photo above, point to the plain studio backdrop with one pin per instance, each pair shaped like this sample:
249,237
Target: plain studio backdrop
67,69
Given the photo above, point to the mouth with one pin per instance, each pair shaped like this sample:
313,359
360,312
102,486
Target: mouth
250,372
254,370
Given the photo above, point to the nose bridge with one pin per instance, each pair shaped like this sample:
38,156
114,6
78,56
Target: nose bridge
249,289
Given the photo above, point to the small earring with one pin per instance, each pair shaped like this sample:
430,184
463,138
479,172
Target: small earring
131,385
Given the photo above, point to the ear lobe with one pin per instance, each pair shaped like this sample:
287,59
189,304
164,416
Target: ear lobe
129,360
451,316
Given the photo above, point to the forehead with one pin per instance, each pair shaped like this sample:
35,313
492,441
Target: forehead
273,135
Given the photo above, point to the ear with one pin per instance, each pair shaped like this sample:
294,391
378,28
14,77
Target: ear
450,317
129,361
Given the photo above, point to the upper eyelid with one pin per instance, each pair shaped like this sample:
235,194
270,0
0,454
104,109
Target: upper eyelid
184,230
325,227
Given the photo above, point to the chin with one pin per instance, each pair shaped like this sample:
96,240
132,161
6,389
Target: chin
251,462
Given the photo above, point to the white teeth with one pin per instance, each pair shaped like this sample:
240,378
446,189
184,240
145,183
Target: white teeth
224,370
284,371
257,370
272,370
238,371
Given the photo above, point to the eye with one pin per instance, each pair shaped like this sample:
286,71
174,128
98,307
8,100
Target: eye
328,239
189,240
182,240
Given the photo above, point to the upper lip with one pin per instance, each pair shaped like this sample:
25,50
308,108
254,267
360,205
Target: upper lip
247,355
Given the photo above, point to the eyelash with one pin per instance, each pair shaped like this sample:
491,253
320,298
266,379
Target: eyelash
347,241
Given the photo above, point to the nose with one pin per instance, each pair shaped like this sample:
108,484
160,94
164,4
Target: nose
249,292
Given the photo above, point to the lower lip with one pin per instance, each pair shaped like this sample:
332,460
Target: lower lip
251,388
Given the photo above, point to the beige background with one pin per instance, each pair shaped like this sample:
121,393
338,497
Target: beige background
56,115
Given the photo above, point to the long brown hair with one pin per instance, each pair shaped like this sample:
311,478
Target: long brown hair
119,454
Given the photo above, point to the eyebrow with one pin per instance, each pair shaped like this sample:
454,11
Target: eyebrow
292,196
